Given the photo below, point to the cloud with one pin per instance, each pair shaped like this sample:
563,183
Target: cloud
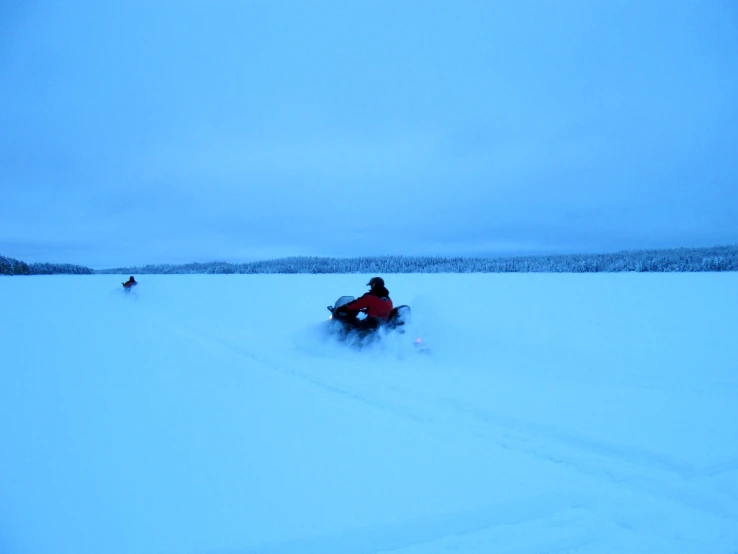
240,130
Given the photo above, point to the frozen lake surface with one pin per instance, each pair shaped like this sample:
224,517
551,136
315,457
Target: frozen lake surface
210,415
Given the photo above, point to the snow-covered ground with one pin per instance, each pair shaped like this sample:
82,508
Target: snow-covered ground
208,414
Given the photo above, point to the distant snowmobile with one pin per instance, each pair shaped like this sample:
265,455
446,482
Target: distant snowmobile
128,285
347,325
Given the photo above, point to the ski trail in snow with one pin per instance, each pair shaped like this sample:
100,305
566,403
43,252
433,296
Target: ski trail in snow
632,455
273,365
728,466
401,536
644,471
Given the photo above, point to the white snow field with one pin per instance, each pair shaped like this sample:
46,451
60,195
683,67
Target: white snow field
209,415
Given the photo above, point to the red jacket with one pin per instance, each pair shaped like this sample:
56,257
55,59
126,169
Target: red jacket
379,307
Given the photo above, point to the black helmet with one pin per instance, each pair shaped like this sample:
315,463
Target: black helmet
375,282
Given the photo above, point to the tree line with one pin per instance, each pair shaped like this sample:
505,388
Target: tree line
11,266
721,258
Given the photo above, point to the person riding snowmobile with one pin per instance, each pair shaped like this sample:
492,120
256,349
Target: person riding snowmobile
130,283
376,304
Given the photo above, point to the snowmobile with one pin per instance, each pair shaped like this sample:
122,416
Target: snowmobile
349,326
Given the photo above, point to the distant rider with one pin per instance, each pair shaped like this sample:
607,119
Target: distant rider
376,304
130,283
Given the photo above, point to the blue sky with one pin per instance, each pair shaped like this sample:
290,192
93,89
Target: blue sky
144,132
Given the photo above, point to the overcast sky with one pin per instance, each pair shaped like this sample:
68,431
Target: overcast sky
176,131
